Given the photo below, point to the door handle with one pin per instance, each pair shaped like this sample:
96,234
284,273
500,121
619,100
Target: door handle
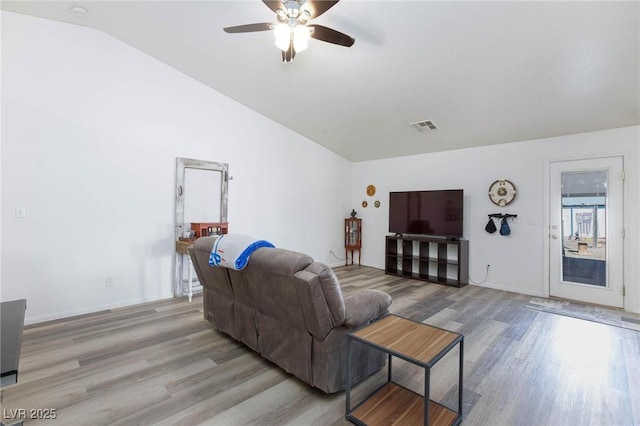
555,237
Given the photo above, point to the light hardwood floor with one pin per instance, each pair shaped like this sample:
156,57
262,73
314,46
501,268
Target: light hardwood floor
161,363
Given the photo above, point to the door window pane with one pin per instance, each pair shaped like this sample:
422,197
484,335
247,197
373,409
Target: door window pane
584,227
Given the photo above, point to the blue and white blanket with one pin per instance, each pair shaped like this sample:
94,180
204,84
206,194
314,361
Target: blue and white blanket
233,250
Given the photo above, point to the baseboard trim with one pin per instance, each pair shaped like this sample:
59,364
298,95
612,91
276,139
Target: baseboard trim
509,289
91,309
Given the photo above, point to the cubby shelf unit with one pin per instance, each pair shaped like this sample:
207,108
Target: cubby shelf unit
432,259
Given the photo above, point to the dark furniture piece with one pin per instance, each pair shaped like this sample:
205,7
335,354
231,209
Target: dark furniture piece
291,311
419,344
352,238
12,318
205,229
437,260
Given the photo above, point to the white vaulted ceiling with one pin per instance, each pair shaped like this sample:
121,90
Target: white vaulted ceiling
484,72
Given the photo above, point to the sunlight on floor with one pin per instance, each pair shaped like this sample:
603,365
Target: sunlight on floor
582,343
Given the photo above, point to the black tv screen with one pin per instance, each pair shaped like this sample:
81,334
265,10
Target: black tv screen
437,213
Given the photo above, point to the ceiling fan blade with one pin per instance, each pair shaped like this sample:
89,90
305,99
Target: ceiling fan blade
273,5
318,7
331,36
249,28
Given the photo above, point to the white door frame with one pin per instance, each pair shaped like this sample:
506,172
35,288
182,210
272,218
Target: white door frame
549,221
181,165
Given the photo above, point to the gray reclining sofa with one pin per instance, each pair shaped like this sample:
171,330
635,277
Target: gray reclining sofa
291,311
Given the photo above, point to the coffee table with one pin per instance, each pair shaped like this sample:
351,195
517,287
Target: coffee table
391,403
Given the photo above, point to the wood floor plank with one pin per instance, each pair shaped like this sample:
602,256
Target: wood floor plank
202,411
162,363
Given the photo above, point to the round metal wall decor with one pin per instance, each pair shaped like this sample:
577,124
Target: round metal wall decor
371,190
502,192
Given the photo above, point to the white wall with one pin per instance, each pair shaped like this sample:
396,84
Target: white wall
91,129
517,261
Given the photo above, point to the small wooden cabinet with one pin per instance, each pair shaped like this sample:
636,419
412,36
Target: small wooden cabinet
352,238
429,259
205,229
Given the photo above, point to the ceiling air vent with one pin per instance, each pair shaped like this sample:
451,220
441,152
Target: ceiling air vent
422,126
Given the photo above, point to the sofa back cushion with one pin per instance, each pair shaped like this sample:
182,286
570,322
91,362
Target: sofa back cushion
270,282
290,288
321,298
216,279
244,311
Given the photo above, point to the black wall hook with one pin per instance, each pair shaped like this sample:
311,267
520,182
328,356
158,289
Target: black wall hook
501,215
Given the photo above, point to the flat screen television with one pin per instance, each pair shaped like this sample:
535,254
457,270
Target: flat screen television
435,213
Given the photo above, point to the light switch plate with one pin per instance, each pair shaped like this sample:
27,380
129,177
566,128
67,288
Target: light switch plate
535,220
21,212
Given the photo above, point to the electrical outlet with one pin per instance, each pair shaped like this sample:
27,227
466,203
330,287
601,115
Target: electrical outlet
109,282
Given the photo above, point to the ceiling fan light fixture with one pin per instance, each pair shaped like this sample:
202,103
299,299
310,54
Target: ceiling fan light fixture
301,35
304,17
282,15
292,12
283,36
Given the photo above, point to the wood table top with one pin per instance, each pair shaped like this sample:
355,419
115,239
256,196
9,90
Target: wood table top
421,343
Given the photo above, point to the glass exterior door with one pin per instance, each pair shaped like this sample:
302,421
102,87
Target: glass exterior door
586,233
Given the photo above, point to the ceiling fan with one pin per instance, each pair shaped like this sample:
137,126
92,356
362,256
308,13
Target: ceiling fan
292,30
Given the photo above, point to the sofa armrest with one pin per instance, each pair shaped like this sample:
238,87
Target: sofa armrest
365,306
